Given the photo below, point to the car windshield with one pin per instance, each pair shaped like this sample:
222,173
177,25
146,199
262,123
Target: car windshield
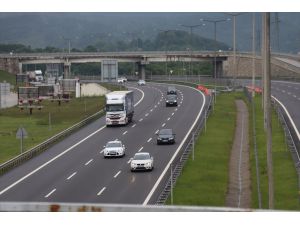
113,145
171,97
165,132
141,157
114,107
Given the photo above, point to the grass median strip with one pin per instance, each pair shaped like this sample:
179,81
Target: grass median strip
204,180
284,173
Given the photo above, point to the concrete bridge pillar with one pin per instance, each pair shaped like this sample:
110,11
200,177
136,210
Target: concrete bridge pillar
142,73
67,70
219,67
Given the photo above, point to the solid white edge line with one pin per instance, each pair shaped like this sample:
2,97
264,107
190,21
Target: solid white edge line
87,163
50,193
61,154
290,118
100,192
177,150
72,175
117,174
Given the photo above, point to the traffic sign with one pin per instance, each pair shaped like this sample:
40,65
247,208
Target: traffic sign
21,133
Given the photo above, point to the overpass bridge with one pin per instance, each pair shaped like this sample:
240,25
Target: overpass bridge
283,65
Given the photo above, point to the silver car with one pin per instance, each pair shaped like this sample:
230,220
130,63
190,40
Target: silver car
114,149
141,161
141,82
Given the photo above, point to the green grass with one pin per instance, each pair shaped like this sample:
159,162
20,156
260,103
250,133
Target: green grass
9,78
284,173
37,124
204,180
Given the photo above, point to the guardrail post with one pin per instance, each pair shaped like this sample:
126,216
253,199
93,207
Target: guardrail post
193,141
171,184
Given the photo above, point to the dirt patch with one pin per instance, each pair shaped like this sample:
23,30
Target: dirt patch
239,191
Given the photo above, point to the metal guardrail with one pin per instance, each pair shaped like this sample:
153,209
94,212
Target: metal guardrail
45,145
291,140
179,162
94,207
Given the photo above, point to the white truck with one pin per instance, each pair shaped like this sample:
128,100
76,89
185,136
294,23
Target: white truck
119,107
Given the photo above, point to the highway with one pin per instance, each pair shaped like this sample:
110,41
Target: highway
74,170
288,93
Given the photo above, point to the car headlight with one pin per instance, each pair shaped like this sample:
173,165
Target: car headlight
148,164
175,100
171,138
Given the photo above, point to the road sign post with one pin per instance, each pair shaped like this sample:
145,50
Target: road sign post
21,134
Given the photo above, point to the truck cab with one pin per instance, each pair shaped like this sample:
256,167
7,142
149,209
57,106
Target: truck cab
119,107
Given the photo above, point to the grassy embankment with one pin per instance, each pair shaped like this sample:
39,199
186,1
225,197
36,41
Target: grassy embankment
37,125
204,180
285,177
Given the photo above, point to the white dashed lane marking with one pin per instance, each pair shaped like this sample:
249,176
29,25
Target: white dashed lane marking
101,191
102,151
88,162
117,174
133,125
125,132
140,149
50,193
168,118
163,125
147,114
141,120
72,175
156,131
149,139
173,114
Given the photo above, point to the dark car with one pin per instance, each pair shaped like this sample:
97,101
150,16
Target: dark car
171,100
165,136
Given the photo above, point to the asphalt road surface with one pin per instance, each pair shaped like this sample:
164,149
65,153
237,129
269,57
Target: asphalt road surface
74,170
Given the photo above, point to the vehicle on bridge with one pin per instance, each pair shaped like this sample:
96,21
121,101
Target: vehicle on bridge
141,82
122,80
141,161
114,149
119,107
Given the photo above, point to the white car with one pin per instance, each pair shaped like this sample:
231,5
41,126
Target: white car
122,79
114,149
141,82
141,161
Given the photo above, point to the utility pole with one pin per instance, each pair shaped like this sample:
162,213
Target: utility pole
267,84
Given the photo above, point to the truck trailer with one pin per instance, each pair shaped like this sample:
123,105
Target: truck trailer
119,107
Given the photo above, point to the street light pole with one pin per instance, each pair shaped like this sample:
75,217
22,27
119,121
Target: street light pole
253,54
165,31
191,27
267,106
215,47
234,15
